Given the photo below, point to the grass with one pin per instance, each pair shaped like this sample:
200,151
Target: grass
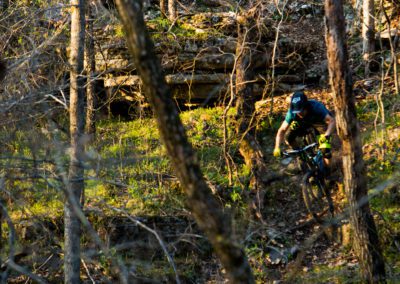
382,166
163,31
135,161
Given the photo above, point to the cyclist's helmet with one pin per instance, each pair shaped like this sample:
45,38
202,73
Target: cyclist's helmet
298,102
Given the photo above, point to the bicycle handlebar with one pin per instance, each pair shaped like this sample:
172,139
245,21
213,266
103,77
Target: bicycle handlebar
298,151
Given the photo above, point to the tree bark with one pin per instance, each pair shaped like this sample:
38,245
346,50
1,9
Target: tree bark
77,122
393,46
172,12
249,147
366,241
368,34
205,208
163,8
90,71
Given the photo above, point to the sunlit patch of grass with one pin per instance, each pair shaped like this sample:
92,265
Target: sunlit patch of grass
163,30
327,274
54,207
205,126
141,164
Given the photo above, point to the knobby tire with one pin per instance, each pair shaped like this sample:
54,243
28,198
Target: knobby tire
316,196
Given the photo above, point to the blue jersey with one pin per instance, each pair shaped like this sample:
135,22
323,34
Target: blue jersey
316,114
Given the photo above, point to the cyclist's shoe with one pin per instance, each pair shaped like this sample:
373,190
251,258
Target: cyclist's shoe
277,152
325,145
324,141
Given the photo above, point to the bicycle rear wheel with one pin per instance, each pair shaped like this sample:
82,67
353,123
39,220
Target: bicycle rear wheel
316,196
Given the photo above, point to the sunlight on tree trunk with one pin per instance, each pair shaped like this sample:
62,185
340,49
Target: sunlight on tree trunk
205,208
172,12
366,241
77,122
163,7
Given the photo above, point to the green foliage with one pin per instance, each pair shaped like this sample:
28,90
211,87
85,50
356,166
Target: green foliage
328,274
128,168
138,160
119,31
382,159
164,32
159,23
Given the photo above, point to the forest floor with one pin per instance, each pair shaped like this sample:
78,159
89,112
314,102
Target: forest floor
286,246
326,256
133,180
301,248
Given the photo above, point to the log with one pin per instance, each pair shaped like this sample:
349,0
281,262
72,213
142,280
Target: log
131,80
172,79
386,34
188,79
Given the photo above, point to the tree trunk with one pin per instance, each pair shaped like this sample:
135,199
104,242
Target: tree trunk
205,208
172,12
77,122
368,34
90,129
249,148
366,241
90,71
393,46
163,8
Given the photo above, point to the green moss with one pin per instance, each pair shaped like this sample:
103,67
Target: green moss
55,206
327,274
164,31
139,160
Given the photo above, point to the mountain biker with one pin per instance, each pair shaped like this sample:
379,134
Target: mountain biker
302,116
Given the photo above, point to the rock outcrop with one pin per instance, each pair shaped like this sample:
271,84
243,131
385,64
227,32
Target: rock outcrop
198,54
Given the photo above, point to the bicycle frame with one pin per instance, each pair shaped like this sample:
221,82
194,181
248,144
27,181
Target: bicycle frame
313,182
313,161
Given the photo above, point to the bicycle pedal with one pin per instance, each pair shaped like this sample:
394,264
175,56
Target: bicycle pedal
286,161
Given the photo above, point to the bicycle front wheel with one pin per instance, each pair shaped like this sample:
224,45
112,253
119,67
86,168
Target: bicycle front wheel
316,196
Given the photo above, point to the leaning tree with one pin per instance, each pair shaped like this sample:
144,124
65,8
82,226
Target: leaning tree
206,210
366,241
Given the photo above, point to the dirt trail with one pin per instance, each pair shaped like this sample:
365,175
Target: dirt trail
305,248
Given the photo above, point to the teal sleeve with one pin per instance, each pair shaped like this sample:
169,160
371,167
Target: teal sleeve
289,117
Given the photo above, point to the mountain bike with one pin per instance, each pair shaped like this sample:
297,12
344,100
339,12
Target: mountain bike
316,194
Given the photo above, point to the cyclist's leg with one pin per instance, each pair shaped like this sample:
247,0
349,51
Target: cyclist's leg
293,135
292,139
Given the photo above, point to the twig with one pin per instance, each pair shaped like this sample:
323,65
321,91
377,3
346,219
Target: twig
9,263
275,48
11,240
117,263
392,50
16,267
160,241
87,271
37,50
396,154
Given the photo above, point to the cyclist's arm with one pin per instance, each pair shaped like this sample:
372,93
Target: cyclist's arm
281,134
330,121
